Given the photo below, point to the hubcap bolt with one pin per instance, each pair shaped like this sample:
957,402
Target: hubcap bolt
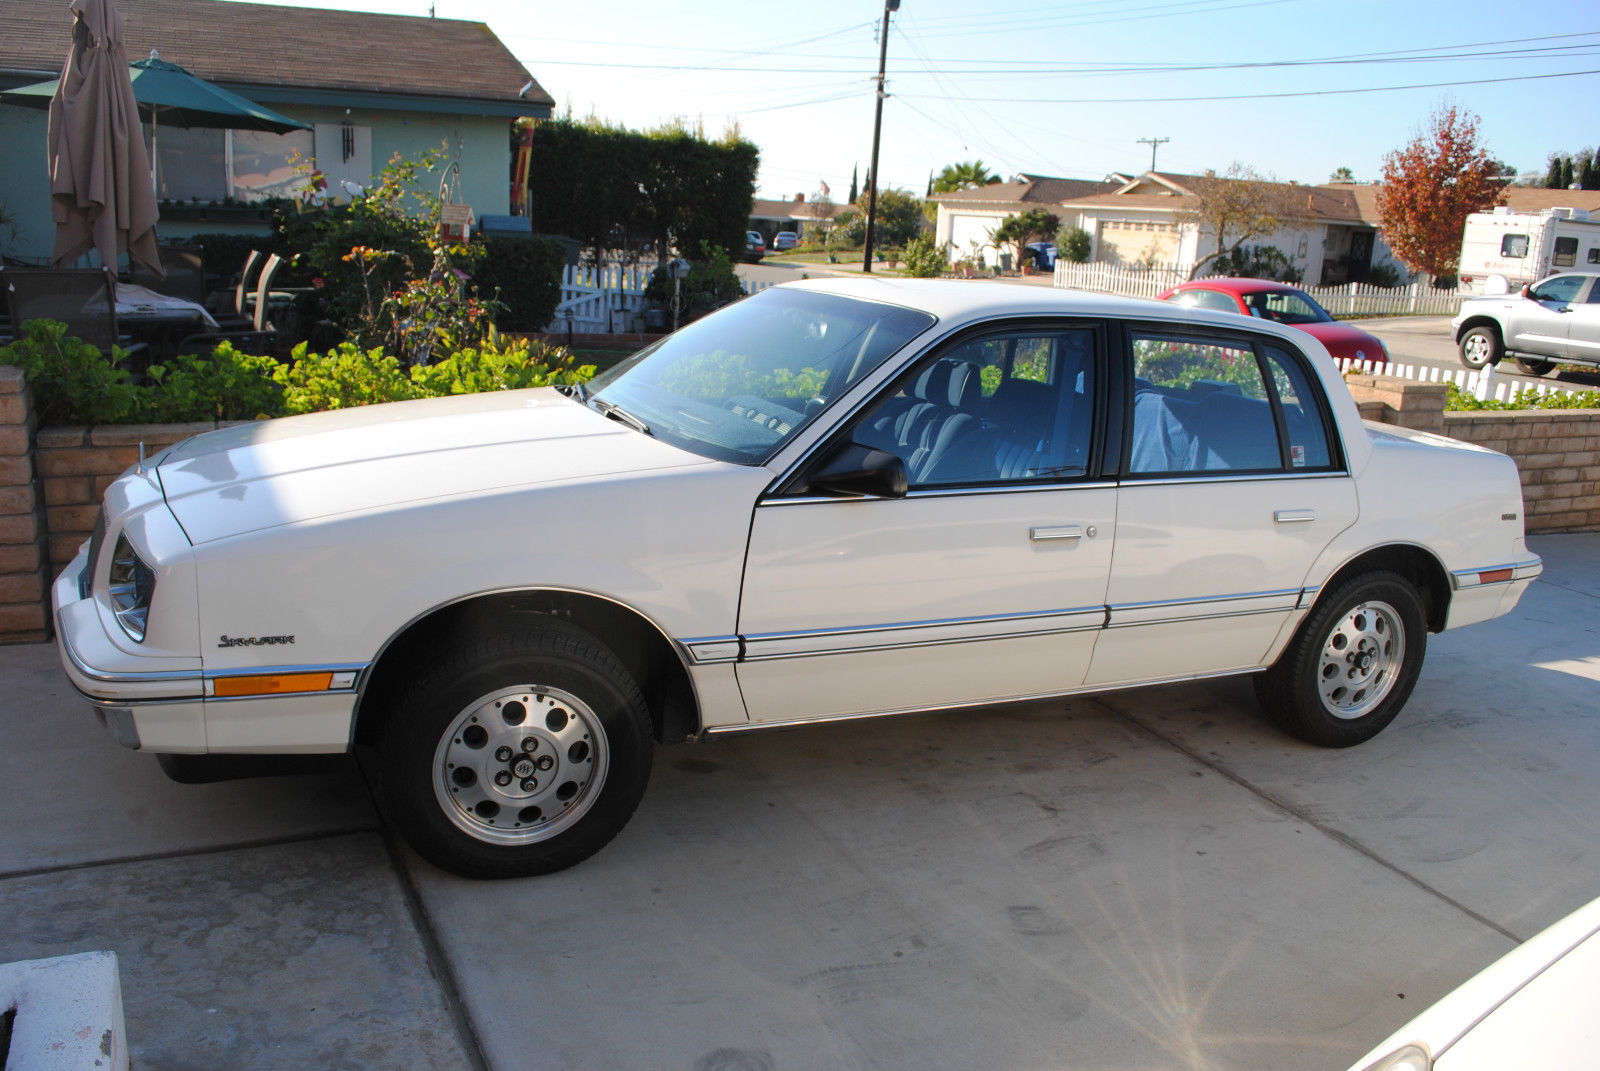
503,754
545,762
530,743
529,785
502,779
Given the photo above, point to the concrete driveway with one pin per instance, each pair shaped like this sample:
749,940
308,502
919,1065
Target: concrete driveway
1152,879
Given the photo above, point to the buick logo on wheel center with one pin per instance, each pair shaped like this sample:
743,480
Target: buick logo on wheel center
523,767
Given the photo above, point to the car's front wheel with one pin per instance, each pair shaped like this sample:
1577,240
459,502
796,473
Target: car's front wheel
1535,367
1352,665
1480,346
516,753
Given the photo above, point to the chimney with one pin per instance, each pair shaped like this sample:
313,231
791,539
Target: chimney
799,198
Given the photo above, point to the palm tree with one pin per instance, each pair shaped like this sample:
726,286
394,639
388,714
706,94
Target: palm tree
964,176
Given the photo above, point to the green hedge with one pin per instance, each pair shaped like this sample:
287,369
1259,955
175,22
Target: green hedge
74,383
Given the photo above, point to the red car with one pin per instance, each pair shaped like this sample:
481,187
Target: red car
1284,304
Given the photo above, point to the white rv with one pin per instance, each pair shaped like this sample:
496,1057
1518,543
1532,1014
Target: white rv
1502,250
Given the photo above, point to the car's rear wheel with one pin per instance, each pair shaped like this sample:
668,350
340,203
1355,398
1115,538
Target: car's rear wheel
517,753
1480,346
1352,665
1535,367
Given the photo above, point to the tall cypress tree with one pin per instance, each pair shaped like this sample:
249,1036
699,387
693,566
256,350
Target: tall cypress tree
1589,174
1566,172
1552,178
855,190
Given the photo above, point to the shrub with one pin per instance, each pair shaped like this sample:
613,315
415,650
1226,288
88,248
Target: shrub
925,259
227,385
513,366
1523,399
72,381
1383,275
342,378
523,275
710,284
1257,262
1073,245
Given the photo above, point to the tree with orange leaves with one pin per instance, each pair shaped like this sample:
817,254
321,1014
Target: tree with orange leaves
1430,187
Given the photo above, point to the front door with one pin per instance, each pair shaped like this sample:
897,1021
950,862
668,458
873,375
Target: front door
986,582
1543,323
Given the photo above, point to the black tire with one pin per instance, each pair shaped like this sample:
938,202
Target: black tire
516,753
1535,367
1352,665
1481,346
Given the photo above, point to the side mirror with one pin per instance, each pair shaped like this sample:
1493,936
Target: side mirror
1527,289
854,469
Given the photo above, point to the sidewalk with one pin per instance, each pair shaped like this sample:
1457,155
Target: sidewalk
1152,878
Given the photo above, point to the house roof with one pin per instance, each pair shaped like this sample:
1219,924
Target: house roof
1168,192
1029,189
801,210
274,53
1518,199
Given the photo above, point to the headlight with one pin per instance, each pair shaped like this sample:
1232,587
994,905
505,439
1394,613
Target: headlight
133,584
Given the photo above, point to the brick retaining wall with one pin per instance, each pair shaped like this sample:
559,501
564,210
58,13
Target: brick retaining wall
1558,454
23,564
1557,451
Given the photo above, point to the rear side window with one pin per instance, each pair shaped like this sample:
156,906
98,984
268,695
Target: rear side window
1566,252
1208,406
1205,299
1514,245
1594,255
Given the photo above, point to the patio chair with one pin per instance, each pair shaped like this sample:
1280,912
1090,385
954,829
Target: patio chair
82,298
254,333
186,274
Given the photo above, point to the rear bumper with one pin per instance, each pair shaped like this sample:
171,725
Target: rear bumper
1485,593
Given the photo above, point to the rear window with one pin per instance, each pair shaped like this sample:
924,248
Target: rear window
1514,245
1566,252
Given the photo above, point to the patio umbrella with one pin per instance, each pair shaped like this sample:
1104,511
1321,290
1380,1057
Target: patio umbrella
96,156
166,93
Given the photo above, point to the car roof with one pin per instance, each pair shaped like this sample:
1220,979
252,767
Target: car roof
957,301
1227,284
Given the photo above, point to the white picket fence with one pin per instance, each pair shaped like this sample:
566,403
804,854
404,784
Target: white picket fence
1483,384
1115,279
1353,299
609,300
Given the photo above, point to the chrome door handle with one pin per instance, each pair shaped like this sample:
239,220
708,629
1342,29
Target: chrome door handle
1294,516
1060,531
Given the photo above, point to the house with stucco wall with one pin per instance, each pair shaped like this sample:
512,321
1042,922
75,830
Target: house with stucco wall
369,86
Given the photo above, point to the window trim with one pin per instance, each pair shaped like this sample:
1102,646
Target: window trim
1337,464
784,488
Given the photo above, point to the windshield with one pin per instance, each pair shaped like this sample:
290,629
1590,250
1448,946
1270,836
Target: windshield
737,384
1285,307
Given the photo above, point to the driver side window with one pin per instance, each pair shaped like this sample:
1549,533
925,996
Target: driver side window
1010,408
1563,288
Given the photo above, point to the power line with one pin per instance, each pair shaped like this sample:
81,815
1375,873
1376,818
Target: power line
1188,98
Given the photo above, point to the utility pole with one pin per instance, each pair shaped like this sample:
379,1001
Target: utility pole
1153,143
877,130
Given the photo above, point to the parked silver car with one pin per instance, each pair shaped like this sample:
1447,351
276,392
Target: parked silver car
1554,320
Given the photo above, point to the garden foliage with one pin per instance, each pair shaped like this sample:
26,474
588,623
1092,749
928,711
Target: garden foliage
637,195
74,383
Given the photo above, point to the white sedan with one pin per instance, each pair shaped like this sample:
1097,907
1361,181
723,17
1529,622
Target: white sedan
836,499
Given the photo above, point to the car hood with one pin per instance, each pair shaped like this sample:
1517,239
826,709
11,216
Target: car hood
1344,340
254,476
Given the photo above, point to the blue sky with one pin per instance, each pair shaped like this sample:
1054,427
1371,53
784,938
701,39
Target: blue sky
1066,87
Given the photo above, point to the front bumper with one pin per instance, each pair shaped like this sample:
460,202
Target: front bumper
145,702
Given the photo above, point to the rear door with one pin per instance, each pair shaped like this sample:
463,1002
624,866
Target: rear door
1233,483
